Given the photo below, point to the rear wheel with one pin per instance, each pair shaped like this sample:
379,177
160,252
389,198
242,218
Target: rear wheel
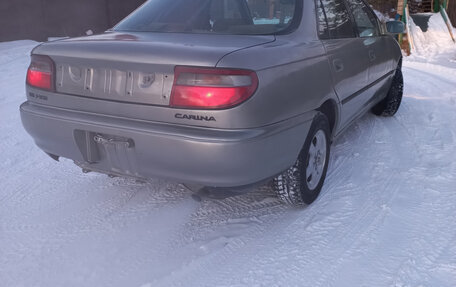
301,184
390,105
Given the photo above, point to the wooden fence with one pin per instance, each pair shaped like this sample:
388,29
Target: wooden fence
452,11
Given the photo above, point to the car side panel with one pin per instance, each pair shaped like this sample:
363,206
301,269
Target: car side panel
380,57
380,76
349,68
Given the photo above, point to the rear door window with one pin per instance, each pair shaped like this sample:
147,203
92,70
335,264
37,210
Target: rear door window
214,16
338,20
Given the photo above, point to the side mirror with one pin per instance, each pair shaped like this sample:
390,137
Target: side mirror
395,27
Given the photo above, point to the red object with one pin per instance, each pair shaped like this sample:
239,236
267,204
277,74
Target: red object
40,73
39,79
211,88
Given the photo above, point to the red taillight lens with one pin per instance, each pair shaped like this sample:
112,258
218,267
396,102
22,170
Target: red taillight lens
40,73
211,88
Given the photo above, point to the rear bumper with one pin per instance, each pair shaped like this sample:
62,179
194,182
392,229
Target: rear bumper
210,157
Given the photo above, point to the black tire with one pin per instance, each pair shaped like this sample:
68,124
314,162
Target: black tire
292,185
390,105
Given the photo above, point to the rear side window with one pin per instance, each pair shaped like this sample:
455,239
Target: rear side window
338,22
366,21
214,16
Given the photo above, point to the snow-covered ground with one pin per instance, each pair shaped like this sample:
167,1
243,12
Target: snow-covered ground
434,45
386,215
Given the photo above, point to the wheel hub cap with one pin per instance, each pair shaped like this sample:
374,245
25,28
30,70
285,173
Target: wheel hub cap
316,159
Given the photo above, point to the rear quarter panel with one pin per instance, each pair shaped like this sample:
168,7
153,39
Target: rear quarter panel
294,78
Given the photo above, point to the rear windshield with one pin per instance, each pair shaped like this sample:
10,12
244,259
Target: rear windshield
213,16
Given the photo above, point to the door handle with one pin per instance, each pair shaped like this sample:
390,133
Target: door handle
338,65
372,55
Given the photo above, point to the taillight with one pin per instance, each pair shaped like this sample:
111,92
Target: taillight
40,73
211,88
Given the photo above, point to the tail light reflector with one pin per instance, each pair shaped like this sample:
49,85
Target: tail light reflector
40,73
211,88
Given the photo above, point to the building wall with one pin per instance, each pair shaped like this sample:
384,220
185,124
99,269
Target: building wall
40,19
452,11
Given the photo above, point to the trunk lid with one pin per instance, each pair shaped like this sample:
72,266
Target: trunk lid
135,67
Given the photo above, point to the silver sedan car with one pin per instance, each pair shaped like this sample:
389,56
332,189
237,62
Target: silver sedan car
215,93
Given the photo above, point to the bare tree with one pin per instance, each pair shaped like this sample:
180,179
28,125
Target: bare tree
384,6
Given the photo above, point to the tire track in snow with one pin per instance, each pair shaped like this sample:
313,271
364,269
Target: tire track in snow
88,224
435,244
322,245
369,220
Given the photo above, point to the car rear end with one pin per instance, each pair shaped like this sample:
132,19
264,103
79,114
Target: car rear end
150,101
